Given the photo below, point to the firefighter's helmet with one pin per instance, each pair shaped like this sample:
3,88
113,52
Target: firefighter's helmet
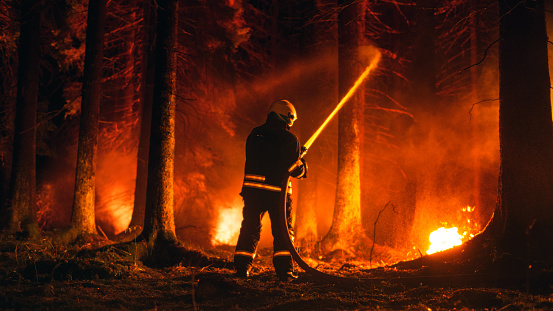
285,111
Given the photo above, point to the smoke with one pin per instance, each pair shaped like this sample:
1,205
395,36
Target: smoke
422,161
446,160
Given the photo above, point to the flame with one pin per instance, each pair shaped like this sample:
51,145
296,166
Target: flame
228,225
446,238
443,239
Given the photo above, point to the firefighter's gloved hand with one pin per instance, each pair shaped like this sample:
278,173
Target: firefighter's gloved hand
304,168
298,169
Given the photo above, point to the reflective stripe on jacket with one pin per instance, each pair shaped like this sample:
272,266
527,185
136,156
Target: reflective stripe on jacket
258,182
270,150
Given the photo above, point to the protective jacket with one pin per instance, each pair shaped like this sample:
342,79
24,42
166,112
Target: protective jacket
271,150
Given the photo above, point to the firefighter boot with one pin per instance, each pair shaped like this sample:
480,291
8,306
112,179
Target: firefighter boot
282,261
242,265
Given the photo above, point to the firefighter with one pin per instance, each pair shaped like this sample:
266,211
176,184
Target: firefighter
271,151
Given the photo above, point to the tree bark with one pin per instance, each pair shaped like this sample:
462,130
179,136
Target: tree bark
22,213
524,214
83,216
146,100
7,121
159,222
346,221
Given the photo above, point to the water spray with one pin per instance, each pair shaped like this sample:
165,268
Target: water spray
372,64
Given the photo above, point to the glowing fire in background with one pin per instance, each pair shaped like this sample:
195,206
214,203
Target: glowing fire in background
228,225
446,238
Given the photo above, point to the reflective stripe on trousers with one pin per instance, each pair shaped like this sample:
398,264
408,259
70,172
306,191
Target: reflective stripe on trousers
244,253
282,253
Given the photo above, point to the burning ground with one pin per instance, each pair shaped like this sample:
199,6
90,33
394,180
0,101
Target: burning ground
102,275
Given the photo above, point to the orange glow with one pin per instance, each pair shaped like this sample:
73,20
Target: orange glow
446,238
116,207
115,174
228,225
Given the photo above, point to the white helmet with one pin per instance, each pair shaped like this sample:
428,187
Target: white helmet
285,111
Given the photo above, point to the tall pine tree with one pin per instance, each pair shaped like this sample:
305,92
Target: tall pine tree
159,222
83,214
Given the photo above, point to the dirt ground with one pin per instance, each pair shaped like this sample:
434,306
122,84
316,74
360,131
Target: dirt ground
107,276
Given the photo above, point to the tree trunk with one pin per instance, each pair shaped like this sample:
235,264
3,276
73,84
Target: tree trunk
346,221
22,213
83,216
159,222
148,67
524,213
7,121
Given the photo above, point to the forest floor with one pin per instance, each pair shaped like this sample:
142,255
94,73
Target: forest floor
103,275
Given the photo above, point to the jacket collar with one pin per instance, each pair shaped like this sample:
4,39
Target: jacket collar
274,121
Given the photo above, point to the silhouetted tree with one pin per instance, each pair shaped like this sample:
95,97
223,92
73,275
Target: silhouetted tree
159,222
83,213
523,219
22,212
8,55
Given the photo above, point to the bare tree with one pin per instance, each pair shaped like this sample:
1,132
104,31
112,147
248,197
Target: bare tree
159,222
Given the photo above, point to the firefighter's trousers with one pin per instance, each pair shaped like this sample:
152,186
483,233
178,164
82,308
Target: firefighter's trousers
256,203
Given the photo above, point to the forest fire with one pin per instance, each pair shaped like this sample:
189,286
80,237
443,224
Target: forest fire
446,238
123,127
